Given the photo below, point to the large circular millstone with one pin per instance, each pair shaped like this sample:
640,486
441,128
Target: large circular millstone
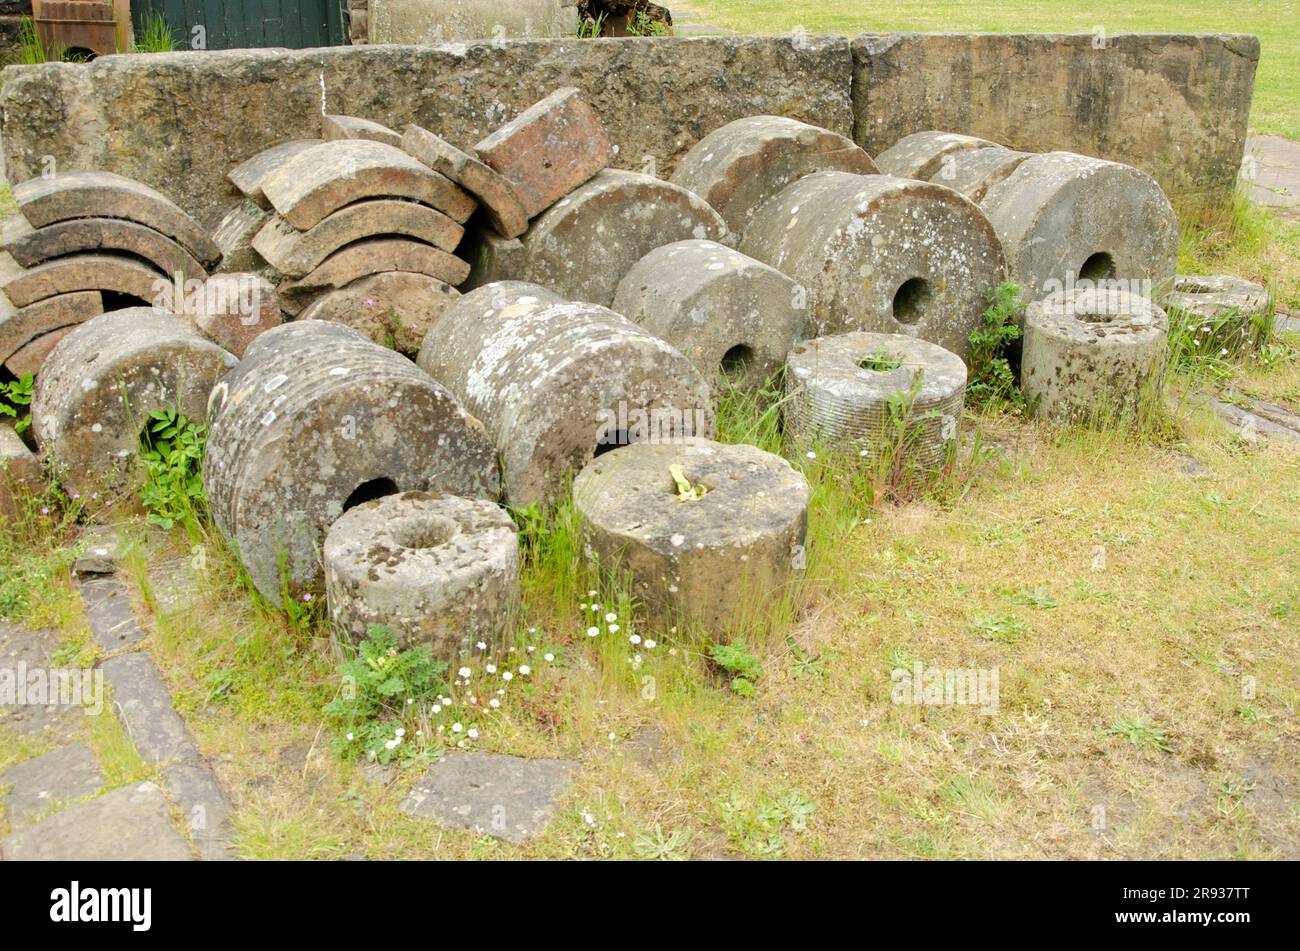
839,390
1066,219
974,171
1092,352
556,382
722,309
923,154
317,419
882,254
98,386
709,560
583,244
1222,310
393,308
737,167
437,570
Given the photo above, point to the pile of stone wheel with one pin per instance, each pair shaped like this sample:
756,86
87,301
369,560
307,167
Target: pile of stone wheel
366,226
85,242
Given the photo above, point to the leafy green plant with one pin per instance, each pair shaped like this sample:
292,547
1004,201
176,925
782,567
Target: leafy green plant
740,664
656,846
171,449
155,35
1140,733
1041,598
531,522
1006,629
385,701
992,384
15,396
642,25
880,361
759,828
589,28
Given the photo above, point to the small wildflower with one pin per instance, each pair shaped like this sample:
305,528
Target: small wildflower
811,454
635,638
525,670
472,734
593,631
494,703
649,644
306,597
613,629
481,646
507,676
548,657
464,673
351,737
491,668
456,728
611,617
399,732
390,744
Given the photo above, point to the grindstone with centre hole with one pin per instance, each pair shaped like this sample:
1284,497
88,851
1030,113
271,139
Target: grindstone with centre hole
1229,305
315,419
1092,352
720,308
555,382
716,560
882,254
437,570
98,386
1068,221
839,392
739,166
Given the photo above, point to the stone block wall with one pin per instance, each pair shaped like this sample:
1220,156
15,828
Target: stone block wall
1175,106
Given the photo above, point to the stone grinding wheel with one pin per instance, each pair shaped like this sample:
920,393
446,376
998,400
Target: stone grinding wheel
1064,218
583,244
1230,307
974,171
393,308
555,382
720,308
1086,351
707,561
838,389
98,386
737,167
315,419
923,154
437,570
883,254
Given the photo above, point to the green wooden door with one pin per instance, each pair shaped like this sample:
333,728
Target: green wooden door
234,24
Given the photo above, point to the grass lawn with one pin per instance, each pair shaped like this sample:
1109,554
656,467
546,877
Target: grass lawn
1277,24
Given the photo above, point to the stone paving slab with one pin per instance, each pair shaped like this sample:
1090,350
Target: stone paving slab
145,706
131,823
207,813
1272,174
22,652
502,796
108,608
67,774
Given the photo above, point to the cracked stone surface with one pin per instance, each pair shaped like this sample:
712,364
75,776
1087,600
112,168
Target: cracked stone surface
502,796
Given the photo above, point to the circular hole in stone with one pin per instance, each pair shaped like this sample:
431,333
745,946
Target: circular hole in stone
426,532
737,360
369,491
1099,267
611,441
911,299
879,361
116,300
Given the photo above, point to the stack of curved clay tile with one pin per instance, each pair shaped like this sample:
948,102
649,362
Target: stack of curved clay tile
84,242
358,231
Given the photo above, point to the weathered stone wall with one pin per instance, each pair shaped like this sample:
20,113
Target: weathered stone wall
442,21
1174,106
